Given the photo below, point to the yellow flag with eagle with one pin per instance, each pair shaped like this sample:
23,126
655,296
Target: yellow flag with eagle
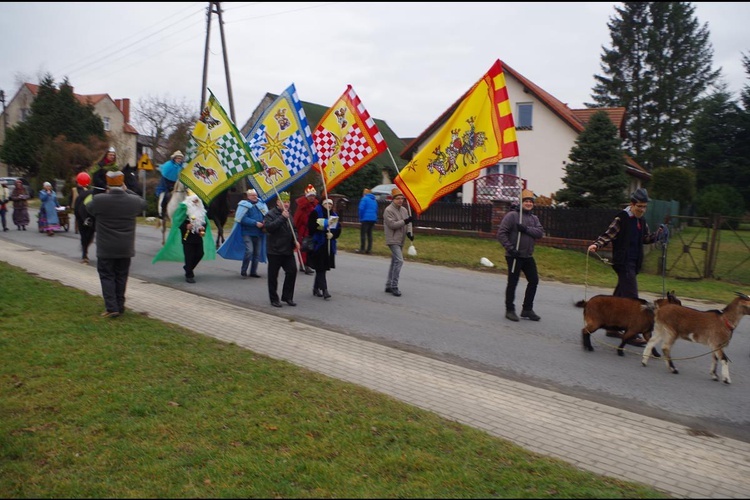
479,132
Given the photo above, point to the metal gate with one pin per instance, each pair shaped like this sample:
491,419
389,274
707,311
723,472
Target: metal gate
696,250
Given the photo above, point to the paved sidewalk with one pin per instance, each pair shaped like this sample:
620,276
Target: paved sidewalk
592,436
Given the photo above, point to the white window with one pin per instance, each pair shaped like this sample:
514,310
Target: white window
25,113
524,116
105,120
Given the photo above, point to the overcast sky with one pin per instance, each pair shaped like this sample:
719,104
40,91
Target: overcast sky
407,61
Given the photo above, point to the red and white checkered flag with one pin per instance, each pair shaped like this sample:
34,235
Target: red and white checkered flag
346,139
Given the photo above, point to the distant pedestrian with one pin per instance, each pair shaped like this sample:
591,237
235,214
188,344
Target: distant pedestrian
282,243
49,222
304,205
397,226
20,199
519,254
4,199
324,227
115,211
368,216
189,240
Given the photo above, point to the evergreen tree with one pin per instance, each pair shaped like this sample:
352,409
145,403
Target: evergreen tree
659,65
57,119
595,176
626,81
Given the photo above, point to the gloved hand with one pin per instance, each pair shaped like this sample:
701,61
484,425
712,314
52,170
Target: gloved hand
409,219
410,236
329,235
514,253
521,228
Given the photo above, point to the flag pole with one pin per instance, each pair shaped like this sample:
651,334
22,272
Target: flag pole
520,215
408,206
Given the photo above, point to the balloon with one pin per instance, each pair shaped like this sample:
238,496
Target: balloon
83,179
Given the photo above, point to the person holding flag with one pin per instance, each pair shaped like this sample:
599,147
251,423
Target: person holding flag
324,227
189,239
282,243
517,233
306,205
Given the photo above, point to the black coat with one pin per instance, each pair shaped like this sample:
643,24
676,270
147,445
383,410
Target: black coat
281,237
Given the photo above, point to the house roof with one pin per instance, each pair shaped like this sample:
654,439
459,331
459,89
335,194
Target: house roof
86,99
315,113
575,118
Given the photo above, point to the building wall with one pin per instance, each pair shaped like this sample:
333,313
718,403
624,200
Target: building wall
544,150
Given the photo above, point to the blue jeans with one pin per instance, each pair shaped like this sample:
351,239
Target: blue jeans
252,254
397,262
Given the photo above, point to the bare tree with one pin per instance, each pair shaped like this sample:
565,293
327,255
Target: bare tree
168,122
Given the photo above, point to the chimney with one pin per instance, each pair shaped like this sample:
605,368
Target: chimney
124,106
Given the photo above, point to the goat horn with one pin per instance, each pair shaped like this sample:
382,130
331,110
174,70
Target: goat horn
742,295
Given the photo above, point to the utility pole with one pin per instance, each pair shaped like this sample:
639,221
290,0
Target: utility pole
216,7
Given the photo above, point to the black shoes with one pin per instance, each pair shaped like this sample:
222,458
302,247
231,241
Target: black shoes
291,302
276,303
110,314
359,251
530,314
396,292
511,315
317,292
326,295
244,275
255,275
388,289
190,280
309,270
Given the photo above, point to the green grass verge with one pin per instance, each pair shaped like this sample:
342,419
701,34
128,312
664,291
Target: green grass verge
136,408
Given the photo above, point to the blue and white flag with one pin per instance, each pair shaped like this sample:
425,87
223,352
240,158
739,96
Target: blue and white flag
281,141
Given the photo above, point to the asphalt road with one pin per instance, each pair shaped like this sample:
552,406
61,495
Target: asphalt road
457,315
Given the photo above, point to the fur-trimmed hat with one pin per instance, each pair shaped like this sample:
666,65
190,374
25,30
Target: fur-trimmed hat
327,201
111,150
640,195
251,191
310,190
176,154
396,192
115,178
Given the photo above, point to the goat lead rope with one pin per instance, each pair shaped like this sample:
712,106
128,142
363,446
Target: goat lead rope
650,355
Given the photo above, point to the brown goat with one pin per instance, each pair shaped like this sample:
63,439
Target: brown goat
620,313
711,328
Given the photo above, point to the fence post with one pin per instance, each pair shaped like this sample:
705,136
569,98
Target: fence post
713,247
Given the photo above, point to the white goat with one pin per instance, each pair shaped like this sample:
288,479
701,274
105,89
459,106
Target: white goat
711,328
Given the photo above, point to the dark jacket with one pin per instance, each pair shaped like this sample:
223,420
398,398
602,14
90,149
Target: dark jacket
619,233
281,237
507,233
115,212
321,259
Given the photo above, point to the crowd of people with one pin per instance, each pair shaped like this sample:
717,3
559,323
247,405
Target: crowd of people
307,237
